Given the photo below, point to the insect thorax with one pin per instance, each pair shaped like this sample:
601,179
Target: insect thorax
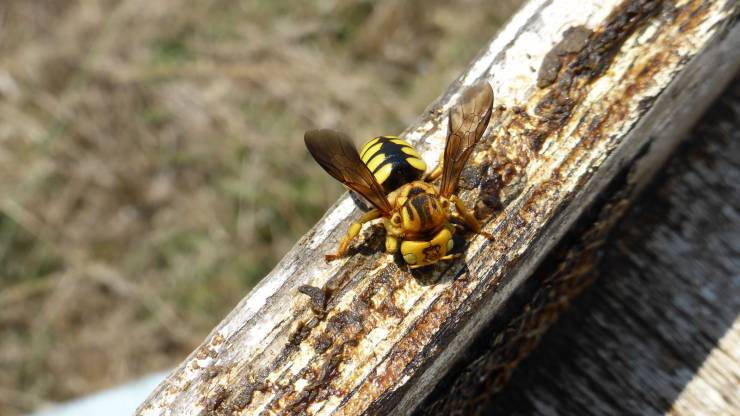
420,209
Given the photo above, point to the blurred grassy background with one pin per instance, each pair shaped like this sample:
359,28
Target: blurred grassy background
152,166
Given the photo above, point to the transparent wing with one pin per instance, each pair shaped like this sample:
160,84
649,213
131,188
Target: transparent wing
468,121
335,153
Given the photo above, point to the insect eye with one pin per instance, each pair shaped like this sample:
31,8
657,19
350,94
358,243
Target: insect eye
396,219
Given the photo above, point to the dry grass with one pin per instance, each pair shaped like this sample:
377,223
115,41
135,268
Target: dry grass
152,166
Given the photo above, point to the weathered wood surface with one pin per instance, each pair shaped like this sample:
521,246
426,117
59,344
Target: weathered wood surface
660,332
631,74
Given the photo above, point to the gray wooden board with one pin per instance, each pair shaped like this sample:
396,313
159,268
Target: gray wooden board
655,334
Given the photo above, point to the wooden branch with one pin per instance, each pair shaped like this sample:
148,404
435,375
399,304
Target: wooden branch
660,331
659,271
582,88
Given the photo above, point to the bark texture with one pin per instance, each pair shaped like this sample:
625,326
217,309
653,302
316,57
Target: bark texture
660,331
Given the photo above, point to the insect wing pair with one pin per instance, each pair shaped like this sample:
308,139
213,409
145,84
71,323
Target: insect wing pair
416,213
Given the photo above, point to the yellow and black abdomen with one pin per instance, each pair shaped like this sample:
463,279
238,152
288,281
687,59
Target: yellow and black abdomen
393,161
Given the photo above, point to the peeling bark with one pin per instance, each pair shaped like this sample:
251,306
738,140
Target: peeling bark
659,333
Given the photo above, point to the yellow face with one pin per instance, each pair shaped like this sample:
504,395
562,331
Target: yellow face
422,253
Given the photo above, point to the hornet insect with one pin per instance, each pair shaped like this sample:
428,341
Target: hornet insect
415,213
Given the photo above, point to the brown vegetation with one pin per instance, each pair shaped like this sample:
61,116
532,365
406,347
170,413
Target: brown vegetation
152,167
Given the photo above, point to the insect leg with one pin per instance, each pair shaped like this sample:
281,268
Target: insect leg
449,257
469,218
391,244
354,229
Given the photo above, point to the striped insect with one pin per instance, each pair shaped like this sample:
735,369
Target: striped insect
393,162
387,173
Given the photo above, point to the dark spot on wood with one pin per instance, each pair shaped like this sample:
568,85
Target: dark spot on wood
318,298
593,131
388,308
574,40
242,399
592,59
489,199
302,331
345,319
318,389
537,139
549,69
215,399
323,342
470,177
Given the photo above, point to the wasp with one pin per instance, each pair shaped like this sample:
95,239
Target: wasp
416,213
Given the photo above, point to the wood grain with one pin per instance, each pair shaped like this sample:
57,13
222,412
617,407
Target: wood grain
659,333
